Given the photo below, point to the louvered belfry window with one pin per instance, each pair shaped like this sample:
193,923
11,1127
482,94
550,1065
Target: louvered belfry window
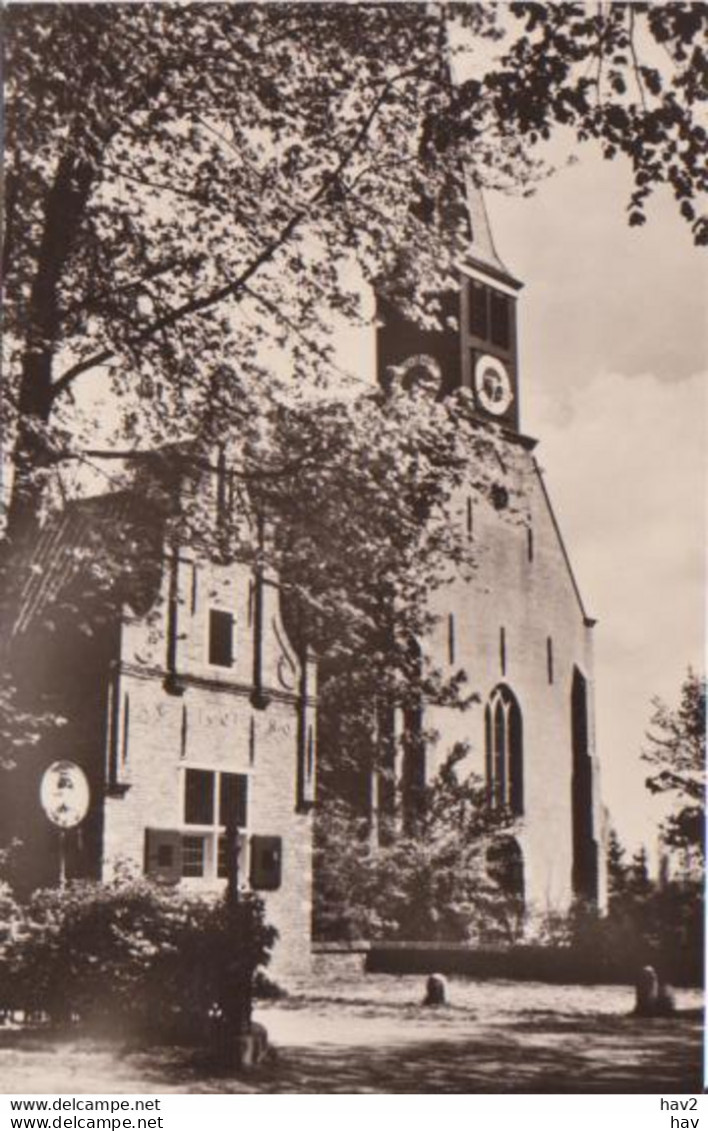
479,315
499,307
489,315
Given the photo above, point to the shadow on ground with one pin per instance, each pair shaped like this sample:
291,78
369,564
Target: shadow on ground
532,1053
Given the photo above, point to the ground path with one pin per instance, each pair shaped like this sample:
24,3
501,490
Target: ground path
372,1035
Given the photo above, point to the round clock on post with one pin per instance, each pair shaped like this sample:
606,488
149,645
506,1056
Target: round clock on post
492,385
65,796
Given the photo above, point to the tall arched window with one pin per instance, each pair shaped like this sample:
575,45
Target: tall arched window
504,750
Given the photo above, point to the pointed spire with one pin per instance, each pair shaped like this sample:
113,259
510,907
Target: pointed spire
483,253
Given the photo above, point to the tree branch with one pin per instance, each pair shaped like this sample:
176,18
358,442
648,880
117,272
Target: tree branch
635,60
236,286
200,197
88,455
62,383
92,301
318,351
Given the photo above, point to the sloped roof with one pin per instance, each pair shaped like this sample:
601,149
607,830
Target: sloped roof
110,540
588,620
483,252
59,553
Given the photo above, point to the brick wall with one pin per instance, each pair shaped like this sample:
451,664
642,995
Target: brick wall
204,718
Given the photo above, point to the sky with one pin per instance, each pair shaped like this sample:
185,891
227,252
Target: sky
613,362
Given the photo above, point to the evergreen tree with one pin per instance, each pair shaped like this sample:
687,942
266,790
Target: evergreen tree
676,749
639,882
617,868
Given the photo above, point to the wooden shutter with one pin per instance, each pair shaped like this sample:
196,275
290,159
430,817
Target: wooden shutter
266,862
163,855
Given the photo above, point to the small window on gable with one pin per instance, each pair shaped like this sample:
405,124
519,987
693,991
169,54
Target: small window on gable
221,634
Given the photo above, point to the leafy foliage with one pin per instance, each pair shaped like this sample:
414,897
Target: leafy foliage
616,866
676,748
368,527
659,923
186,185
20,728
427,882
663,929
629,76
182,161
648,922
132,954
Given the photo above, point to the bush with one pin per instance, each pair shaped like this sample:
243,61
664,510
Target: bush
662,926
430,881
133,955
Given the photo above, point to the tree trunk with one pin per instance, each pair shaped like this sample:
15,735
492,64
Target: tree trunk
66,201
65,204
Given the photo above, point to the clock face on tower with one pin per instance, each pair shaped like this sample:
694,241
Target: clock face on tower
492,385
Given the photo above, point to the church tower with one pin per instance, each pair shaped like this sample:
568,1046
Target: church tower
518,628
477,350
488,334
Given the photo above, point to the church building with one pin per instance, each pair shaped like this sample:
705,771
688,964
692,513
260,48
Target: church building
191,709
518,628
